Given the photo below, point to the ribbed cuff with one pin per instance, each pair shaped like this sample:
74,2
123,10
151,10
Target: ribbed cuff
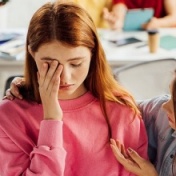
51,133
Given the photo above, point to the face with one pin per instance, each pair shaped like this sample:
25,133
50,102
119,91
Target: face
75,61
169,108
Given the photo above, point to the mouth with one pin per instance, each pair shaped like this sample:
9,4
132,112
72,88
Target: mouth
66,86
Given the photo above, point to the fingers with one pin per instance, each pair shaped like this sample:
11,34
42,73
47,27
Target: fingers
105,13
42,74
127,162
116,148
135,156
152,24
49,77
14,88
55,81
8,95
13,91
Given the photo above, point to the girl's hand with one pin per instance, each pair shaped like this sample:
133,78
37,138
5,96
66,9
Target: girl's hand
13,91
132,161
49,82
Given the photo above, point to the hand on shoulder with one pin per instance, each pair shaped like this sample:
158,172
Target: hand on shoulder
13,91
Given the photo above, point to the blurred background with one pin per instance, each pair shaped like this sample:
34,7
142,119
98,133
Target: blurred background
123,47
17,13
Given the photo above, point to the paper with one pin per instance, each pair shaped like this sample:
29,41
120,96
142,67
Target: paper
168,42
13,49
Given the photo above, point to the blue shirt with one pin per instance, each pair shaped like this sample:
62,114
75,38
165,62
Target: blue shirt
162,138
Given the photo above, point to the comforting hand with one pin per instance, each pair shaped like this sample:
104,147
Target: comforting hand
49,82
13,91
132,161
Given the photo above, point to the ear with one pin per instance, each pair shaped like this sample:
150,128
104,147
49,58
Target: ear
30,51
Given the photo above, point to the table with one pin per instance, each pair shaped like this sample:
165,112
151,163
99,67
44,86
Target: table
130,54
116,56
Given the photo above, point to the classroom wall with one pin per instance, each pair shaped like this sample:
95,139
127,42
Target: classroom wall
19,12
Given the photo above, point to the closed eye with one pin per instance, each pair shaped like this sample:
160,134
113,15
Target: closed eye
76,65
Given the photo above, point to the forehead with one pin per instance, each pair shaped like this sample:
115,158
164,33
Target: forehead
59,51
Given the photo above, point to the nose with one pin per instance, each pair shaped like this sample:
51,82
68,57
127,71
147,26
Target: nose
65,75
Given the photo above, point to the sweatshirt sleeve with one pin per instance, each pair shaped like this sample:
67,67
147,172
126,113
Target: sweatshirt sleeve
47,158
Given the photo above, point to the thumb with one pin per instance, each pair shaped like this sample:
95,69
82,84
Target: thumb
134,156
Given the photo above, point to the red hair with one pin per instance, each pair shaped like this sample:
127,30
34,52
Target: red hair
70,24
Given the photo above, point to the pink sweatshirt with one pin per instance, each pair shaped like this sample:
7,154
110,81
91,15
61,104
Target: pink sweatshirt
76,146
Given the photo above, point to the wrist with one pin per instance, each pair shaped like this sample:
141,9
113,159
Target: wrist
119,9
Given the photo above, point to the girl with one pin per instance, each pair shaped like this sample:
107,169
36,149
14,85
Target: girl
71,103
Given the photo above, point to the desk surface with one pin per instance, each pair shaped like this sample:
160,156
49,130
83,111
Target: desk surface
128,54
131,53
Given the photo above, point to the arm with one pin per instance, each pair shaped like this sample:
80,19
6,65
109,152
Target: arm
115,18
47,158
167,21
132,161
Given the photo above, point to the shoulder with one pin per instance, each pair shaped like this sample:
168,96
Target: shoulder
114,106
14,105
16,111
120,113
152,111
152,105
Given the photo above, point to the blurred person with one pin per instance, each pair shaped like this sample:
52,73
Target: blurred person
95,10
71,105
164,13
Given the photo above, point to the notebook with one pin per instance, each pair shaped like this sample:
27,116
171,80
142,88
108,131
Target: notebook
168,42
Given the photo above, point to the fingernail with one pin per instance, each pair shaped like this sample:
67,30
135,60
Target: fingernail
112,140
11,98
129,150
5,97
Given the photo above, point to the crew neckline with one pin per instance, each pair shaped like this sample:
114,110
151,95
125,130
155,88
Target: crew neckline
77,103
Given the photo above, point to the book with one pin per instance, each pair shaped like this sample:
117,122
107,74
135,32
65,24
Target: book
7,36
168,42
13,50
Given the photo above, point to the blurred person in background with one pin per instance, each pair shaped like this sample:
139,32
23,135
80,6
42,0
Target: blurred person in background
164,13
95,9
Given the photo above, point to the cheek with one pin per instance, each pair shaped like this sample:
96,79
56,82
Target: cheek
39,65
84,70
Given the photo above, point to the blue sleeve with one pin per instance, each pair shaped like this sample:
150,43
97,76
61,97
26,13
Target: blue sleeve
150,111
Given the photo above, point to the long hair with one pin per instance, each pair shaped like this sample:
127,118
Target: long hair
70,24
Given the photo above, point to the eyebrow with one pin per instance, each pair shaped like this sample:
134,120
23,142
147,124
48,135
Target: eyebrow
71,59
48,58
